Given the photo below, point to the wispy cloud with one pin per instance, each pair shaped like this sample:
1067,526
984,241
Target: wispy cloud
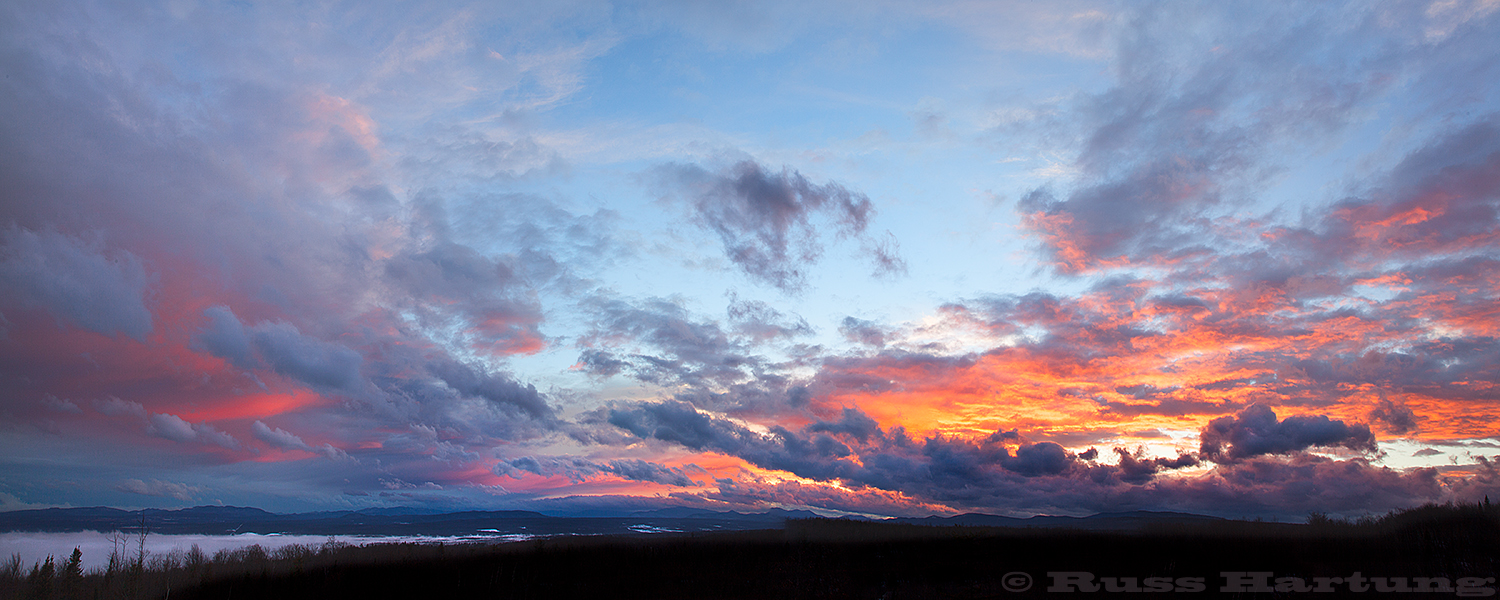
765,218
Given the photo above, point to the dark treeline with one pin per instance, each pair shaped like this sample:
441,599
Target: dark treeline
813,558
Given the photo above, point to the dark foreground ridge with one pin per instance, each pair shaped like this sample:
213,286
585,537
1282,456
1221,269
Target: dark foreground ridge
1430,552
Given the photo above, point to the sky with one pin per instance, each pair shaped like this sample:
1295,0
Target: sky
873,258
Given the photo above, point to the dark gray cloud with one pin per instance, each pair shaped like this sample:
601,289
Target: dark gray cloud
579,469
760,322
157,487
496,390
225,337
277,437
1138,468
418,385
756,494
447,271
115,407
101,291
319,363
281,438
1255,431
683,348
986,473
658,341
852,422
391,375
1298,484
765,218
641,470
1436,367
1484,485
61,405
602,362
853,450
864,332
174,428
488,296
284,349
1397,417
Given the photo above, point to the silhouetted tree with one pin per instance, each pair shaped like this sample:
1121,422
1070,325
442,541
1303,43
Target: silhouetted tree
39,582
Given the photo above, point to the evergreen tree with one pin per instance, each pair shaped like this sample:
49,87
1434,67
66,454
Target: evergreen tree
73,569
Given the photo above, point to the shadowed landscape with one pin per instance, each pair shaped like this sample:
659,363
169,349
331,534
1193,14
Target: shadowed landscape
1444,550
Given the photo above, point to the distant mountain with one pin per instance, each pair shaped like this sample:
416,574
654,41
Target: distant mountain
967,520
398,511
218,520
677,512
774,515
210,513
1116,521
49,516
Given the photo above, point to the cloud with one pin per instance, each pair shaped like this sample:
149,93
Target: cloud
1398,418
172,427
849,449
579,469
1137,468
283,348
225,337
1001,472
759,322
1484,484
286,440
687,349
885,252
1298,484
61,405
757,494
486,296
1255,431
115,407
210,435
156,487
308,359
416,384
765,218
1192,121
277,437
75,280
851,422
400,380
864,332
1440,203
641,470
497,390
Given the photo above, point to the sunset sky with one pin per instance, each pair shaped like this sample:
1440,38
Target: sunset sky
880,258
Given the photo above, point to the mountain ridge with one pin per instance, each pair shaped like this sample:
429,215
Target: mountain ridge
211,520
